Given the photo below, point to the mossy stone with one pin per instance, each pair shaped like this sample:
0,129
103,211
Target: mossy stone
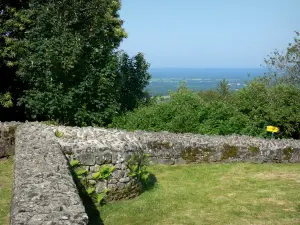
288,152
253,149
229,151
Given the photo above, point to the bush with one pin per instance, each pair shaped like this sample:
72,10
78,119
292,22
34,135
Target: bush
247,111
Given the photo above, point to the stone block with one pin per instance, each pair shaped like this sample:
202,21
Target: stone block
125,180
104,158
101,186
87,159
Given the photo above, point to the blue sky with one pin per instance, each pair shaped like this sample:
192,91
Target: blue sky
210,33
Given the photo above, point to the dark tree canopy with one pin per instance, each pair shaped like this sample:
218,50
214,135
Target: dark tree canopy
64,56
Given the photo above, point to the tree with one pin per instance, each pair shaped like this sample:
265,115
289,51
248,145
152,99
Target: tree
223,88
285,66
59,61
14,21
134,79
70,64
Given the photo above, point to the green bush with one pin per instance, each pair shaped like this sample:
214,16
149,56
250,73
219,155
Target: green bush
247,111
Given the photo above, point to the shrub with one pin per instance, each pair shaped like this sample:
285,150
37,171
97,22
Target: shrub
247,111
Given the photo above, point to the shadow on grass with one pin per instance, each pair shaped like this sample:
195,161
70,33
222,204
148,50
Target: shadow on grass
149,183
89,205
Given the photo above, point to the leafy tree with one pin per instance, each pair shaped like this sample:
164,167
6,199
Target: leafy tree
285,65
61,62
134,79
15,19
70,63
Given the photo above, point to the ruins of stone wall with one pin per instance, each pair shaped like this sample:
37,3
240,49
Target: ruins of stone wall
93,145
44,191
168,148
7,138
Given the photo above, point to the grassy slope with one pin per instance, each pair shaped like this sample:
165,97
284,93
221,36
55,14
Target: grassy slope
6,180
214,194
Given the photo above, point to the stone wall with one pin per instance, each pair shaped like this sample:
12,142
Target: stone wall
44,191
7,138
167,148
95,148
97,145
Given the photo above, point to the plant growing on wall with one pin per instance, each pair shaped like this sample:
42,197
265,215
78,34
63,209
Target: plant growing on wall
137,165
104,172
82,175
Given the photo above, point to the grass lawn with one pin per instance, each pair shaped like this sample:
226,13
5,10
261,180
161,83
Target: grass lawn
6,180
214,194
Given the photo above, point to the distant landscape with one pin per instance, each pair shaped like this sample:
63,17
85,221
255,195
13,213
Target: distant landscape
165,79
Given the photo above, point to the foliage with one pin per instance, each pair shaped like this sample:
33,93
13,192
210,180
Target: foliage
61,63
104,172
81,176
137,165
285,65
15,18
134,79
58,133
74,163
247,111
223,88
6,100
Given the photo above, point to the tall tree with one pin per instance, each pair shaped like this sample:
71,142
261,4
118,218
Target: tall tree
285,65
70,63
134,79
59,61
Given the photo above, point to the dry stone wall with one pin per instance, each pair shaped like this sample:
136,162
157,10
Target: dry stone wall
44,191
95,148
96,145
7,138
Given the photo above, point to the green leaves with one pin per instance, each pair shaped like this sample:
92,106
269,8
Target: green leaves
6,100
60,61
96,175
285,64
137,165
247,111
74,163
104,172
90,190
81,171
134,79
58,133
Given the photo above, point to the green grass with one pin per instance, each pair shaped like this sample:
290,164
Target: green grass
214,194
6,180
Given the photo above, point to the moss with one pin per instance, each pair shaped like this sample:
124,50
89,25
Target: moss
253,149
206,154
288,152
229,151
160,145
208,150
59,134
190,154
